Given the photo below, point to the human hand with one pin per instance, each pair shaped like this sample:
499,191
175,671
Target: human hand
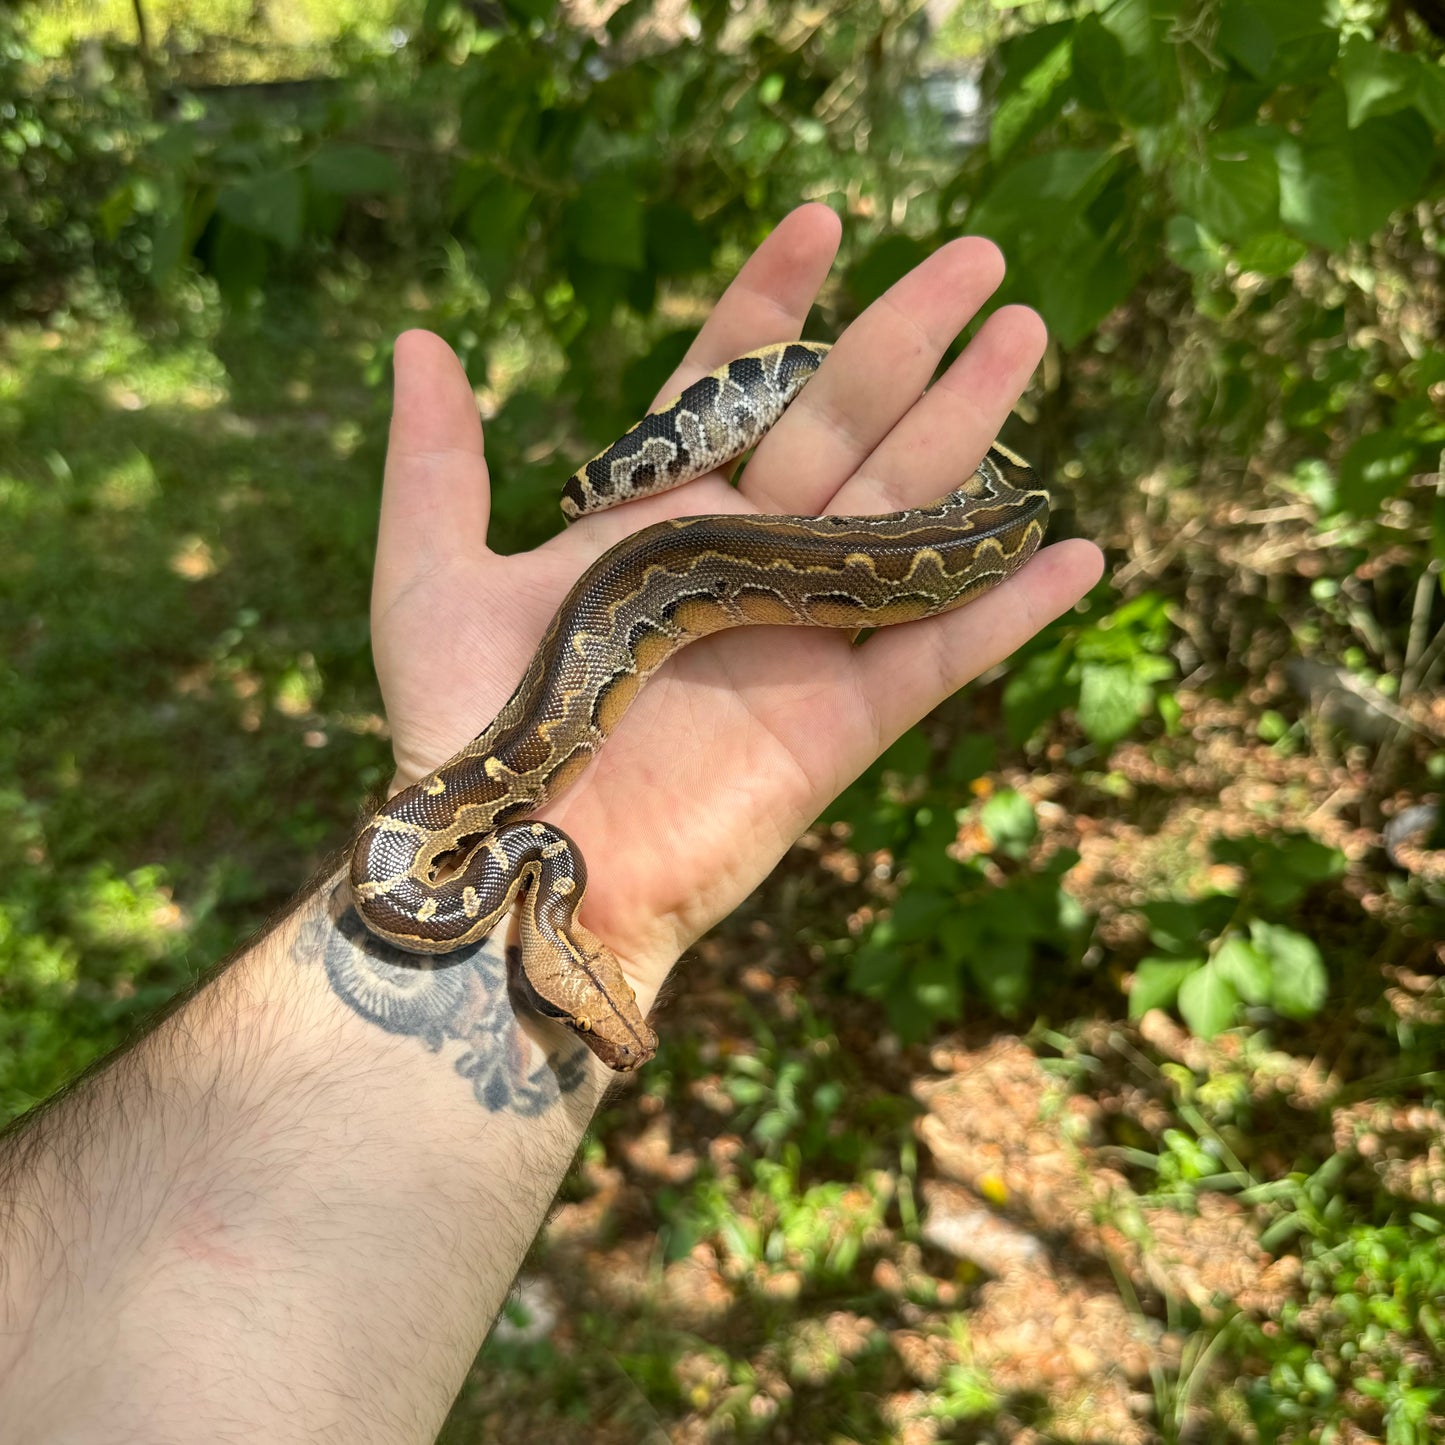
742,739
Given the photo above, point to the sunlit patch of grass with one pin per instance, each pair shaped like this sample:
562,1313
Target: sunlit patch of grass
188,556
298,23
134,914
128,484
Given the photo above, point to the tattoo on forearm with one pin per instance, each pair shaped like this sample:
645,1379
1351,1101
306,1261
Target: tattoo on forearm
462,996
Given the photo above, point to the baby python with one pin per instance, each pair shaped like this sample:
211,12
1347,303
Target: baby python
441,863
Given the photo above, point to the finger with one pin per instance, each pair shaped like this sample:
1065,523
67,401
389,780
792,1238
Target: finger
768,300
906,671
435,497
877,371
932,449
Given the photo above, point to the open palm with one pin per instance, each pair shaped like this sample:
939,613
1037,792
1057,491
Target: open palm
741,740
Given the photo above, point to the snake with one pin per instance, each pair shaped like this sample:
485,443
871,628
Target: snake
443,862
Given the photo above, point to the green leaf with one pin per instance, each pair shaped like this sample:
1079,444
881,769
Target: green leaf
644,378
1178,926
1036,69
1192,248
1244,33
875,968
1207,1002
1079,282
1245,967
971,757
1125,61
238,258
677,245
501,110
1112,699
1376,79
354,170
495,224
1374,469
1003,971
1283,40
938,987
1392,156
1233,190
1271,254
1040,212
116,209
910,756
526,10
1037,691
270,205
1298,982
1430,94
606,223
918,913
1308,859
1008,819
1032,201
1339,184
169,241
1157,982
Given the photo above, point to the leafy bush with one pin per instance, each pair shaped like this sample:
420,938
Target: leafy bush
1222,952
1368,1341
62,150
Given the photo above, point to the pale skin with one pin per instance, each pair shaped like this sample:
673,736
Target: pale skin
275,1219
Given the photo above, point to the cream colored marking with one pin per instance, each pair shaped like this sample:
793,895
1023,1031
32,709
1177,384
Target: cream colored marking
564,886
538,829
427,910
385,823
471,901
692,431
553,849
656,452
436,788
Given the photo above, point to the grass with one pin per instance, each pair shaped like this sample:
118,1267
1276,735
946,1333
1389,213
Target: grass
188,719
294,24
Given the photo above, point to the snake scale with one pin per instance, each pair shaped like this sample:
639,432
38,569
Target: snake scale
441,863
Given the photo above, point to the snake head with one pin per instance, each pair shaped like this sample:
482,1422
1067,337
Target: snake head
585,990
622,1049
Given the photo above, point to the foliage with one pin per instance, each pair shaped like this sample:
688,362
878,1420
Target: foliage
1221,952
62,150
1108,673
957,922
1366,1341
1228,214
1216,135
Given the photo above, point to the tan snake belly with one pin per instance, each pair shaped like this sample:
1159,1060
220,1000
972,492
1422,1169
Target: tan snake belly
441,863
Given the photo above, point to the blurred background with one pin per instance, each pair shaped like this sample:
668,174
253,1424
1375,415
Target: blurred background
1077,1078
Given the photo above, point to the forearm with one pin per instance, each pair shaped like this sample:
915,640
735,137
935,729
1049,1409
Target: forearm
293,1209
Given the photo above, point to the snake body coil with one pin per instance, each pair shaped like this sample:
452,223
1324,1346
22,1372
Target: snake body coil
442,862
